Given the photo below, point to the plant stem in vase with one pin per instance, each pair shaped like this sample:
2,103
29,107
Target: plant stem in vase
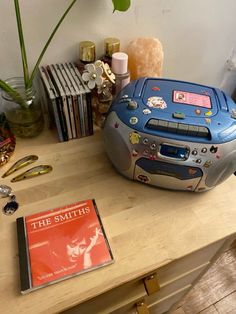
24,116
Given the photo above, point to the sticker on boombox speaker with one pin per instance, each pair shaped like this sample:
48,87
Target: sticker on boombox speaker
143,178
134,138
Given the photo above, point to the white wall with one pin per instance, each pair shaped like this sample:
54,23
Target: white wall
197,35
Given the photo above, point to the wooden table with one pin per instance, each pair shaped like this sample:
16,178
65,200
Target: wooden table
147,227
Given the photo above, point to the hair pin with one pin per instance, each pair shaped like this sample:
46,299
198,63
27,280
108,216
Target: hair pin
33,172
23,162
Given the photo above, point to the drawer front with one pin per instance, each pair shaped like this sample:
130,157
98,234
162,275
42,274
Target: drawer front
165,292
112,301
177,268
176,285
165,304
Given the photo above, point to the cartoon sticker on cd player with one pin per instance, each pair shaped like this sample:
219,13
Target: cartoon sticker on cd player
143,178
156,102
134,138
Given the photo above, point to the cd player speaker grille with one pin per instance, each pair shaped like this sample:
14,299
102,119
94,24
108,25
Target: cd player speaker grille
117,149
222,170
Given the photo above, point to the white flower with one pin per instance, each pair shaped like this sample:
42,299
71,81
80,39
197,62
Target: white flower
93,75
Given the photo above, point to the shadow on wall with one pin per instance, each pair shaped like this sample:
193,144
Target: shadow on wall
228,84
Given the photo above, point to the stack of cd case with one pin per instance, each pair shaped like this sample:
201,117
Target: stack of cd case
69,104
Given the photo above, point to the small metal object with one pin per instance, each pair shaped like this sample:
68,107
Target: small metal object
25,161
33,172
12,205
5,190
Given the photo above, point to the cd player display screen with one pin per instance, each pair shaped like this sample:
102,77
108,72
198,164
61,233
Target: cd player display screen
192,99
174,151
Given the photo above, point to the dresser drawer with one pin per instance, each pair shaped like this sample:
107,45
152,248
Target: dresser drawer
179,267
165,304
165,292
170,288
124,296
160,306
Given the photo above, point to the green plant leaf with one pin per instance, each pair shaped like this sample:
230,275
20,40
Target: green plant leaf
121,5
22,42
15,96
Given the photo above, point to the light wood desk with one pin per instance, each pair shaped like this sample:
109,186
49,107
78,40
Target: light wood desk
173,234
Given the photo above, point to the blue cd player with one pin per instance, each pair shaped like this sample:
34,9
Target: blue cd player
172,134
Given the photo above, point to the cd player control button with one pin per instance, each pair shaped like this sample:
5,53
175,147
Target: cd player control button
194,152
178,115
192,130
202,131
204,150
132,105
162,125
172,127
145,141
153,124
182,128
198,161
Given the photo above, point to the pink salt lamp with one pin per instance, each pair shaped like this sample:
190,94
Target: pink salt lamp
145,57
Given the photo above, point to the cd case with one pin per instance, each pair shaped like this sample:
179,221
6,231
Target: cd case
60,243
68,101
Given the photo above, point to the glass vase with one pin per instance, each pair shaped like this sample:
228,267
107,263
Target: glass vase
24,116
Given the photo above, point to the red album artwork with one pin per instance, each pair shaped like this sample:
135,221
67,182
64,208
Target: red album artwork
65,241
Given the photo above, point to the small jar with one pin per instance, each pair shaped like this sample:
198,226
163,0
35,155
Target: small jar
24,114
120,69
111,45
87,54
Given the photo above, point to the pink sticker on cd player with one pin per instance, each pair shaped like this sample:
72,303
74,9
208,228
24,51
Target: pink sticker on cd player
192,99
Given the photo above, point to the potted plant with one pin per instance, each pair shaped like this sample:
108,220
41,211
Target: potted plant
21,106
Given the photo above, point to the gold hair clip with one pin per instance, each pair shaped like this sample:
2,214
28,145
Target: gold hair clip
33,172
23,162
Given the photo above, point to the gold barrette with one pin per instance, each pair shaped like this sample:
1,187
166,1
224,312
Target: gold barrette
33,172
23,162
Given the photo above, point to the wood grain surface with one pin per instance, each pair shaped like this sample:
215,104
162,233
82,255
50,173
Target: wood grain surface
147,227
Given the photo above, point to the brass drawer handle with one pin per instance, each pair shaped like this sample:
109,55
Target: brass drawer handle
141,308
151,284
